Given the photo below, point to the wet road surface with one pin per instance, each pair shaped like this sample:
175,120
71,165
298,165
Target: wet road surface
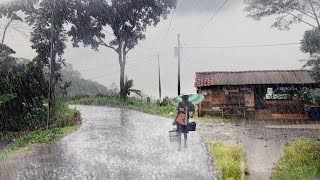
114,144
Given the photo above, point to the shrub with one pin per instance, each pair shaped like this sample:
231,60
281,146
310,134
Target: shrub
301,160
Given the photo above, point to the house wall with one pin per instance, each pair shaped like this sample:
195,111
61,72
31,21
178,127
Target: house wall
218,97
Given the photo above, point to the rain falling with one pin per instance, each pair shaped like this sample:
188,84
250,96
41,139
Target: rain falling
159,89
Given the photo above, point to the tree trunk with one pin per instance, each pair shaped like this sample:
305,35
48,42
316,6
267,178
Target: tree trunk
5,30
122,71
123,94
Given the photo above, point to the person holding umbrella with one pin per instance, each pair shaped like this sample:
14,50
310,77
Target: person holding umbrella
186,110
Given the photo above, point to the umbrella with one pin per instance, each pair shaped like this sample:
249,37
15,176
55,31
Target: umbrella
193,98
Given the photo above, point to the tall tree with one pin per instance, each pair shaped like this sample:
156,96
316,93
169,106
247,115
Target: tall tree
48,38
287,12
128,21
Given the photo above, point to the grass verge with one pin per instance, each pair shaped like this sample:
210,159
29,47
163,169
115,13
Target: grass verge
67,121
131,103
300,160
23,144
229,160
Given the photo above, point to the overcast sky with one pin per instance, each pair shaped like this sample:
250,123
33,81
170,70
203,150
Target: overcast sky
230,27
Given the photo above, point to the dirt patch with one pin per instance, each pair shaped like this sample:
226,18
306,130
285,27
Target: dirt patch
262,145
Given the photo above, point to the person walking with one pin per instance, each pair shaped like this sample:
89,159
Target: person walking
186,110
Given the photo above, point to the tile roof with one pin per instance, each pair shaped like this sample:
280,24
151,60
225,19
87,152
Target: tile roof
295,77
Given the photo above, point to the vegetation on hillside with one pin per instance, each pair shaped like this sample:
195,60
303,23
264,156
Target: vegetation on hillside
72,84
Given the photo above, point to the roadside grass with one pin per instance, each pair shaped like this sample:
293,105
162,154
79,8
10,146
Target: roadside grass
300,160
25,143
131,103
229,160
68,121
167,110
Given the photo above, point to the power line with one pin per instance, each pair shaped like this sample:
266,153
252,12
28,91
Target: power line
173,13
240,46
214,14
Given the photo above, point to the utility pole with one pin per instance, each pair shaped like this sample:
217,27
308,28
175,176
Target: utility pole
159,79
179,56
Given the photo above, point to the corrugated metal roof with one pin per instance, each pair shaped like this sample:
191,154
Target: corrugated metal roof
279,77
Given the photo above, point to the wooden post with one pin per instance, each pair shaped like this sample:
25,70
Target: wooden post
179,50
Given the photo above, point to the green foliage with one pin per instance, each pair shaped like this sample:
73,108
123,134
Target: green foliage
311,41
230,161
66,116
301,160
165,101
26,83
7,97
67,122
313,63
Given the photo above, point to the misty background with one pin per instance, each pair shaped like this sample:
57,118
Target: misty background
201,28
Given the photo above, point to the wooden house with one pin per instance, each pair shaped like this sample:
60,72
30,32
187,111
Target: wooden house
254,94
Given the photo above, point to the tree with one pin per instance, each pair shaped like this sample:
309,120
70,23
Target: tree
288,12
128,21
22,91
311,42
48,38
48,19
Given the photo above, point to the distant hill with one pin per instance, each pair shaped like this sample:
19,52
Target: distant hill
79,85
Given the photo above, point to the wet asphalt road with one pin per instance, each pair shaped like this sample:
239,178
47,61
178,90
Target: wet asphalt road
115,144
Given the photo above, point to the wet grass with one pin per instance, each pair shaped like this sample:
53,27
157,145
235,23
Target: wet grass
229,160
300,160
67,121
23,144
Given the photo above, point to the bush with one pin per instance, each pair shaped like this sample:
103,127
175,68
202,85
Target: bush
301,160
27,83
65,116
